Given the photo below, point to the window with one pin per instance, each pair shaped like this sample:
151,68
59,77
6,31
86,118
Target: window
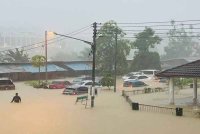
142,77
133,77
88,83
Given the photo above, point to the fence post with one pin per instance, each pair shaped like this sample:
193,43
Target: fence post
135,106
127,98
122,92
179,111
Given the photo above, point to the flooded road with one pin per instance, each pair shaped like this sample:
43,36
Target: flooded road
44,111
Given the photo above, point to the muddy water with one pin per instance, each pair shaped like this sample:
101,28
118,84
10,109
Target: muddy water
49,112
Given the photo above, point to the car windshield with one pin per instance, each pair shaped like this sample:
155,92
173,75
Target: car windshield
133,77
70,89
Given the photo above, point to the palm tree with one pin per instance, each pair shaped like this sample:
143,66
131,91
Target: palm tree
38,61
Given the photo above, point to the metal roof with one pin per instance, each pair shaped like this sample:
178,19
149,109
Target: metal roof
11,68
79,66
191,69
50,68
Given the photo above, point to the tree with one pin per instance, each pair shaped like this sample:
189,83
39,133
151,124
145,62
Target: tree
145,40
181,43
107,80
17,56
86,54
105,52
148,60
143,58
38,61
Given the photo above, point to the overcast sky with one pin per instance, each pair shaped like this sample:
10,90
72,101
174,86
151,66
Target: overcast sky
69,15
65,16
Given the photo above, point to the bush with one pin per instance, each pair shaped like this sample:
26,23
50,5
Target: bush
107,81
36,84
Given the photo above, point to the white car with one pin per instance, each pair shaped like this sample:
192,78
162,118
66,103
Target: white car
88,83
138,77
130,74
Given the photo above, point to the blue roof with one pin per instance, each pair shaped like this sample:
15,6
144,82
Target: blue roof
50,68
79,66
10,68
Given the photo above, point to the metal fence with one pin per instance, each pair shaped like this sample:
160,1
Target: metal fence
161,109
143,91
151,108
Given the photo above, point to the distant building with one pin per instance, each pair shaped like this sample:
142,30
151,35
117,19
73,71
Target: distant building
25,71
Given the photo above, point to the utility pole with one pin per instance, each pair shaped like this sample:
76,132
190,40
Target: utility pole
46,56
115,83
93,62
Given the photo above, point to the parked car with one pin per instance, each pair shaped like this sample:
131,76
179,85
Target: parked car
88,83
139,77
75,90
150,72
134,83
80,79
6,84
59,84
130,74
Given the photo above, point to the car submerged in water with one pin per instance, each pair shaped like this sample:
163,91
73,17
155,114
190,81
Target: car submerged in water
134,83
6,84
75,90
60,84
81,87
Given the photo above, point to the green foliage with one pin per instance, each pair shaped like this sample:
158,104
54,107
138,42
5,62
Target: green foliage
181,43
37,84
107,80
17,56
148,60
106,44
143,59
181,82
38,61
145,40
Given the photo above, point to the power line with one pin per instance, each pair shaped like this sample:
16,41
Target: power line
162,37
139,26
71,33
155,22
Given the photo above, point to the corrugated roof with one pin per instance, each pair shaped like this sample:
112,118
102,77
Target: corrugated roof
191,69
79,66
50,68
11,68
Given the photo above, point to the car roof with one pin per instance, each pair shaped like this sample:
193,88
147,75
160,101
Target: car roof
137,75
4,78
87,81
131,80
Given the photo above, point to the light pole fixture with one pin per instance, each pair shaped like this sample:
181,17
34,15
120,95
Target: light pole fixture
115,82
93,46
46,75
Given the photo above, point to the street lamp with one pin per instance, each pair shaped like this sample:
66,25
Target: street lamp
46,43
93,46
46,77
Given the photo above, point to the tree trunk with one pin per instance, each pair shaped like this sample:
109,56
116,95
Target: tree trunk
39,75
